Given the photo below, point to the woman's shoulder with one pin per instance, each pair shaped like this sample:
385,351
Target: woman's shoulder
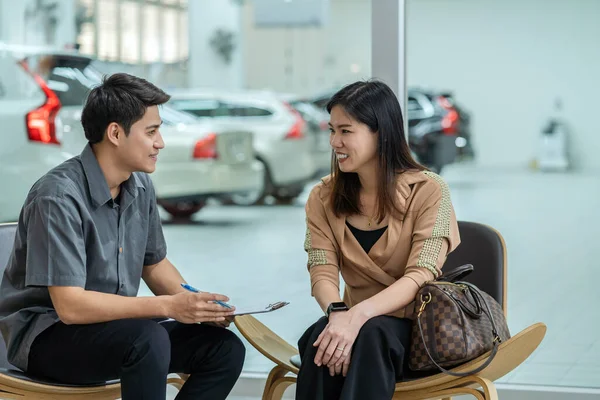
422,185
322,189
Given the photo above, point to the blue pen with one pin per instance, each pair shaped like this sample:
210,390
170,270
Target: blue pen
193,289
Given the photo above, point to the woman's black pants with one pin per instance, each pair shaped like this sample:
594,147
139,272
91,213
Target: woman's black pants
379,359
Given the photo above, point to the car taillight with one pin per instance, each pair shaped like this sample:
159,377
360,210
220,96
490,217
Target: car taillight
41,122
451,119
206,147
297,130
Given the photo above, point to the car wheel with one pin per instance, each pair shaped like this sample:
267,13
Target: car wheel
289,197
256,196
182,209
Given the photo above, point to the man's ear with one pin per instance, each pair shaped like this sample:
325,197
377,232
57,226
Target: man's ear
114,132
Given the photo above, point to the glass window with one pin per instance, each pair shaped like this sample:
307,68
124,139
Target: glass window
171,116
256,112
85,26
108,30
171,35
151,34
200,108
130,31
183,35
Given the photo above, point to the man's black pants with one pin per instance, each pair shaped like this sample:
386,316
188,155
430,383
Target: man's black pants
379,358
141,353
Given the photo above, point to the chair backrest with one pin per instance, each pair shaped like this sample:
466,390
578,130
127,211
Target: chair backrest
7,238
483,247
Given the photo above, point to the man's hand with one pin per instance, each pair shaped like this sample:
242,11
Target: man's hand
189,308
222,324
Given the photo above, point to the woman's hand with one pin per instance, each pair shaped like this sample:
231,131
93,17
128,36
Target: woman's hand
336,340
341,367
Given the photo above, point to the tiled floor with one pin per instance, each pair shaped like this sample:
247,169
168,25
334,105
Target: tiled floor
551,224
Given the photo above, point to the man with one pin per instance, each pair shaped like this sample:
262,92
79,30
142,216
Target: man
89,230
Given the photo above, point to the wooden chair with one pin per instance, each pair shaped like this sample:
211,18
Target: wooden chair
15,384
481,246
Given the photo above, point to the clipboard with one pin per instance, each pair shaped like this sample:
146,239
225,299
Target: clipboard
245,310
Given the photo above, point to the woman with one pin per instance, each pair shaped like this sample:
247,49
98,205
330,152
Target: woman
387,225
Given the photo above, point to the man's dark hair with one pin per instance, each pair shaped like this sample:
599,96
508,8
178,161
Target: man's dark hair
121,98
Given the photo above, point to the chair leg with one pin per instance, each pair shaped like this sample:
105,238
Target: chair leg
276,384
279,387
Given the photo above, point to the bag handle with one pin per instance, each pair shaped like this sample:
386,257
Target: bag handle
495,343
457,273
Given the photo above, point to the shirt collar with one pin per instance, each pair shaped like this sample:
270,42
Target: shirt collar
96,180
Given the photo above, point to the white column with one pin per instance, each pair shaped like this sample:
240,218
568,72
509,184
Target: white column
388,47
206,67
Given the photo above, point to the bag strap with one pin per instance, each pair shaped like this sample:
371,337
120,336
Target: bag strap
495,343
457,273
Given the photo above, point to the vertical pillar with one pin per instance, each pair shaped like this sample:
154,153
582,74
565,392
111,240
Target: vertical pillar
388,47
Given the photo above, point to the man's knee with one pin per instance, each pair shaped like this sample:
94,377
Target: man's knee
232,351
150,343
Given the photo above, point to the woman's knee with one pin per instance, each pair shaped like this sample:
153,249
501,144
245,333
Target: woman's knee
311,334
375,327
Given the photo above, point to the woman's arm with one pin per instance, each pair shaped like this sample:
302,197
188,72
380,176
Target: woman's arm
393,298
326,293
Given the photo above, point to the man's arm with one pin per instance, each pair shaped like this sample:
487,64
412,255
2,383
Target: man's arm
76,305
163,278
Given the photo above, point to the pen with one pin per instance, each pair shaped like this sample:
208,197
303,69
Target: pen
193,289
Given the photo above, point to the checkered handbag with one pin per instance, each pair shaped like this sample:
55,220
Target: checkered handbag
456,322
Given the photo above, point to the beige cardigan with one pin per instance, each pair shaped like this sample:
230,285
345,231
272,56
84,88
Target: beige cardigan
415,245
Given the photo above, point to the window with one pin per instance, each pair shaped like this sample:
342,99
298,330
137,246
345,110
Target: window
107,30
151,34
200,108
133,31
130,29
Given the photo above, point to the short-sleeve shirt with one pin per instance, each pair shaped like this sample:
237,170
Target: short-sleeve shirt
72,233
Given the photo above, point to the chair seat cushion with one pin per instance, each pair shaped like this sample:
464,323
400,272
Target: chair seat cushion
18,374
295,360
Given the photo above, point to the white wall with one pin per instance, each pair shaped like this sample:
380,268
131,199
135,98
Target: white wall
306,60
507,61
207,68
15,30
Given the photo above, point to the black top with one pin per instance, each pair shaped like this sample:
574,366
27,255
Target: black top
367,239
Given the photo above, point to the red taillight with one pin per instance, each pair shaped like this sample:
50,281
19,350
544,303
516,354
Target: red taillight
206,147
297,130
41,125
451,119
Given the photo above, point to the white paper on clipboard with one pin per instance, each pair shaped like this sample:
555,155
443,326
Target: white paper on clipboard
260,308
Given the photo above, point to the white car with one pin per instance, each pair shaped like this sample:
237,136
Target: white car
199,161
30,144
281,140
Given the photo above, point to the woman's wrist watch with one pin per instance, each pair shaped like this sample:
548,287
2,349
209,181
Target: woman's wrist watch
337,306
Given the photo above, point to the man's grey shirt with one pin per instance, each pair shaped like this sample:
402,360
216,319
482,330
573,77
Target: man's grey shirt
72,233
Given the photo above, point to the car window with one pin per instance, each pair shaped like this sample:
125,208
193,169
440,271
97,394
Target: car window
413,105
171,116
70,77
198,107
237,110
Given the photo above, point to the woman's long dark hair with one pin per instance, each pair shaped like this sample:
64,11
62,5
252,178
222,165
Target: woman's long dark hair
374,104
